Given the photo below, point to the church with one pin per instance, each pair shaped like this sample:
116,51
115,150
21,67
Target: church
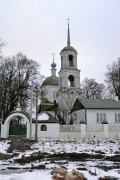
65,89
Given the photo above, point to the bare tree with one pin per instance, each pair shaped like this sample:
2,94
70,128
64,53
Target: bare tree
91,89
16,73
2,43
113,78
65,106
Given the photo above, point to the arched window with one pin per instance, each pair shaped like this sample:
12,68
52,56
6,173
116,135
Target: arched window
71,60
43,128
71,81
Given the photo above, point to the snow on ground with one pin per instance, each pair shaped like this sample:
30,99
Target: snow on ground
35,175
4,145
110,148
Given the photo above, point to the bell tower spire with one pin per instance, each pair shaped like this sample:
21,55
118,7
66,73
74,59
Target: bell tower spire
68,35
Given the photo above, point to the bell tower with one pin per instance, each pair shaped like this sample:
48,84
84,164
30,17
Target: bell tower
69,73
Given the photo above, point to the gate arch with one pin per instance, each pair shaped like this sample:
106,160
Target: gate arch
5,129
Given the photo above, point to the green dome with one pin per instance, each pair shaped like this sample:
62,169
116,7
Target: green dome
69,48
51,80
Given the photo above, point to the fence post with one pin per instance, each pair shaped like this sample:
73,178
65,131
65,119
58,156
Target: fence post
83,131
105,126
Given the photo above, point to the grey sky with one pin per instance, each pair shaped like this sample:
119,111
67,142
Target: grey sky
38,28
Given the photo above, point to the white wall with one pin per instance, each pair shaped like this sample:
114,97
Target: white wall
70,135
49,89
114,131
52,130
96,131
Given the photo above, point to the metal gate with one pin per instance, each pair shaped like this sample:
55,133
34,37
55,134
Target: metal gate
17,129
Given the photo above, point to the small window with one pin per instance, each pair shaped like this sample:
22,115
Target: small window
101,117
97,117
104,117
43,128
117,118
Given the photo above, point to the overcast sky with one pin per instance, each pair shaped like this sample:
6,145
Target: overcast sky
38,28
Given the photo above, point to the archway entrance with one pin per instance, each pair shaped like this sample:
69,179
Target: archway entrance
17,127
16,124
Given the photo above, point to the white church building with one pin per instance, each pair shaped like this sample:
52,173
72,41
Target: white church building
98,118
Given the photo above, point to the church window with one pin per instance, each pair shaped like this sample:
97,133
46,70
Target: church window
117,118
43,128
71,81
71,60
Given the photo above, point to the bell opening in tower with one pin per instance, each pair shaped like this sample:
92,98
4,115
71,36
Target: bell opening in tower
71,81
71,64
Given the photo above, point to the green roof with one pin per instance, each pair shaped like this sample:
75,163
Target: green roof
51,80
95,104
20,111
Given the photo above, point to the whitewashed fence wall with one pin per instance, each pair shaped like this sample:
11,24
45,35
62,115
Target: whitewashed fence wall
94,131
97,131
114,131
69,131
